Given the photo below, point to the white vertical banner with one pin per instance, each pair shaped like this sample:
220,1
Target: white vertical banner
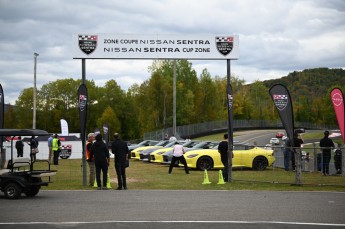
64,127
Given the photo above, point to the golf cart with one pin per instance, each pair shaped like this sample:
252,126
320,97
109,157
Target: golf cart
18,175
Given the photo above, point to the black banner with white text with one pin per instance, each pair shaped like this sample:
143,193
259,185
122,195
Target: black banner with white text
82,104
282,101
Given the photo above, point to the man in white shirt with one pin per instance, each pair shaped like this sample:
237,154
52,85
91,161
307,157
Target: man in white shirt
178,152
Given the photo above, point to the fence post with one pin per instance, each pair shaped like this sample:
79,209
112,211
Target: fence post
342,161
315,158
298,166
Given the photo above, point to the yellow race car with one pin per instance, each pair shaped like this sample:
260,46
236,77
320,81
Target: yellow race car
245,156
135,154
157,155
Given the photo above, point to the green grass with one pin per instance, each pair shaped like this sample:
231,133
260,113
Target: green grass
145,176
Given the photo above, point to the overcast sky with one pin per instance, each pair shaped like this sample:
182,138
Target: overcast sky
275,36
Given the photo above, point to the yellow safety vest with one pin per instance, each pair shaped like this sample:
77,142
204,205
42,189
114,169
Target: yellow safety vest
55,145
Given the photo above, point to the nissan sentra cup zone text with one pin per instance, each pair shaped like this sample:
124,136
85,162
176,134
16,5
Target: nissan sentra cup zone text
245,156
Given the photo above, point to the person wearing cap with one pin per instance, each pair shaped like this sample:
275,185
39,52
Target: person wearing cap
90,160
99,150
326,144
223,151
120,150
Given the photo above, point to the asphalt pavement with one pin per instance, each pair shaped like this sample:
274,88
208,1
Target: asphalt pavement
174,209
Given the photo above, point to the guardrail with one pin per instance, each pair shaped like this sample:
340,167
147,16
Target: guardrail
206,128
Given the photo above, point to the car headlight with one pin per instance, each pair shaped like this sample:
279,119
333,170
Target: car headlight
192,155
160,153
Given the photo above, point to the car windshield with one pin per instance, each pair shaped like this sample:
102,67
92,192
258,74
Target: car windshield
190,144
171,144
215,147
143,143
162,143
206,145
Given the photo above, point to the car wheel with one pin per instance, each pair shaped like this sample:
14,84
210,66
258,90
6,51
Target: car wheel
260,163
205,163
12,191
33,191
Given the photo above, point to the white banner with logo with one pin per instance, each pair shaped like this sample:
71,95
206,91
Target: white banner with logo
136,46
64,127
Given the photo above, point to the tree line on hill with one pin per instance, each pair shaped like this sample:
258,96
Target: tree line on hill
149,106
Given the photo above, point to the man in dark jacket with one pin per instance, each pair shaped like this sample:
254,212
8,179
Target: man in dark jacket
326,144
100,153
223,150
120,149
20,147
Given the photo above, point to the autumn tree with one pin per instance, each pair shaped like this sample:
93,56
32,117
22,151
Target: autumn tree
110,117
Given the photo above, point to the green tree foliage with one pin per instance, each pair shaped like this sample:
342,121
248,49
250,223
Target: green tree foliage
149,106
206,103
10,117
110,117
310,93
259,100
24,106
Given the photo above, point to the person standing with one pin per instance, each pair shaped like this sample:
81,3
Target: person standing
56,149
223,151
287,153
326,144
100,152
120,150
34,148
178,152
90,160
20,147
338,159
50,147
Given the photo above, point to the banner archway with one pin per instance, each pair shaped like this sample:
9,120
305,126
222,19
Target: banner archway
156,46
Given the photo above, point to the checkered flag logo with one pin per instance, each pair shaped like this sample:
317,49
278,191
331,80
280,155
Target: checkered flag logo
280,101
82,102
87,43
66,151
224,45
66,146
